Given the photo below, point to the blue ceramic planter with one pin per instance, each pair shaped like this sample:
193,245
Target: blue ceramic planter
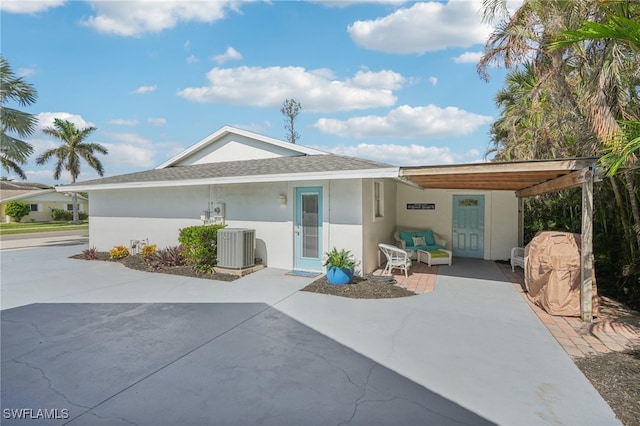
338,276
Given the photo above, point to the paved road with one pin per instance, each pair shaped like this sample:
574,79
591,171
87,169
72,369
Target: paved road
42,239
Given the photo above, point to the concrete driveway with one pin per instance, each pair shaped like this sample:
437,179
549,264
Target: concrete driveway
95,343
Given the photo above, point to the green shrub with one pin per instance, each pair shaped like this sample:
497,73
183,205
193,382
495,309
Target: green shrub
59,214
200,244
342,259
17,210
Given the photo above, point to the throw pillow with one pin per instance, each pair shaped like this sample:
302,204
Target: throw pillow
419,241
429,238
406,237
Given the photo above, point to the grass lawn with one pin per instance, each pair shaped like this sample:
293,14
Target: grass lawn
31,227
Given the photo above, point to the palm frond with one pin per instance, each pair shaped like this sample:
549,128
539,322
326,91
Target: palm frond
15,149
13,120
11,166
14,88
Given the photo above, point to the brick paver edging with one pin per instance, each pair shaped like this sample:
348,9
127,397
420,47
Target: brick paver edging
607,332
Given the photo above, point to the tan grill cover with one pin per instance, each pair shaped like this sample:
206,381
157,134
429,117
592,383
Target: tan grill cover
552,273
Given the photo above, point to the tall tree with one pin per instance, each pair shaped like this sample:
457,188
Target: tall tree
610,85
290,109
622,27
69,154
584,64
13,151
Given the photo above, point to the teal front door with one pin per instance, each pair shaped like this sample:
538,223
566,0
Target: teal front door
468,226
308,229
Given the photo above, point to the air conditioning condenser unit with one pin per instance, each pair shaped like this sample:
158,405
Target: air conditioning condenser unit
236,248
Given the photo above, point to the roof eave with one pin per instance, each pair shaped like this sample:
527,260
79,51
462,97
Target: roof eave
388,172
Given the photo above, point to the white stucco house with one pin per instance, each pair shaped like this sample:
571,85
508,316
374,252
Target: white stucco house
302,202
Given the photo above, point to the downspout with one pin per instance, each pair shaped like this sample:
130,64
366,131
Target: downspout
520,221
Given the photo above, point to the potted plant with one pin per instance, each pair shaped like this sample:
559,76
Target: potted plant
339,266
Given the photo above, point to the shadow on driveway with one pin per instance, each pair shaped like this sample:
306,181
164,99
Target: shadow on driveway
192,363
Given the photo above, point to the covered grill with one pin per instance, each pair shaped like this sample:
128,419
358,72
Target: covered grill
552,273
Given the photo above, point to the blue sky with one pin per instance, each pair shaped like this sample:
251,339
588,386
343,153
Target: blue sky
390,81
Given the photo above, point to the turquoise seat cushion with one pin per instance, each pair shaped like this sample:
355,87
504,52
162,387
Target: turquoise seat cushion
428,237
407,237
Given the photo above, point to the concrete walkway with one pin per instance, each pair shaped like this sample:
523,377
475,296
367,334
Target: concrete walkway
614,329
112,346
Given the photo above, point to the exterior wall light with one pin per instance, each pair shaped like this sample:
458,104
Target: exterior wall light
282,199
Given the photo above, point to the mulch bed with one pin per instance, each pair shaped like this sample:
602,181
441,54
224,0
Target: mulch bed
615,375
361,288
138,263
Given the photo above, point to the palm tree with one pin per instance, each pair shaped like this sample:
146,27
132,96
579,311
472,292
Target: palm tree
69,154
585,52
535,122
14,151
622,28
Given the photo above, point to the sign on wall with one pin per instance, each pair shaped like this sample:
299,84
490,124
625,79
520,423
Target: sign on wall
421,206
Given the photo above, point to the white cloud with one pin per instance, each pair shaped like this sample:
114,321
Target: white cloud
45,119
424,27
404,155
157,121
123,122
316,90
25,72
433,80
192,59
384,79
128,149
230,54
29,6
137,17
145,89
260,128
346,3
407,122
45,175
468,58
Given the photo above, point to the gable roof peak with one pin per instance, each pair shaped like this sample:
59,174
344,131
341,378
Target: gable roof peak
227,130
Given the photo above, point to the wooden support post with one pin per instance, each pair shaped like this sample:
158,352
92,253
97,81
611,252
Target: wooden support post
586,273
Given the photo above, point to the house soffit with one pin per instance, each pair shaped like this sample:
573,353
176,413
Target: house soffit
526,178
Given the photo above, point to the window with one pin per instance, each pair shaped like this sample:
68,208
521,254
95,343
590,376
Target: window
468,202
69,207
378,200
33,207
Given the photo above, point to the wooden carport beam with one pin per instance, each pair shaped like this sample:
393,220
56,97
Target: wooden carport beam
567,181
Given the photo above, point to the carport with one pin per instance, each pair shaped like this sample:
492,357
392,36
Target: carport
526,179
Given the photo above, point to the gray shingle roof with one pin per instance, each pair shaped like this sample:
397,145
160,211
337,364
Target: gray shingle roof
7,185
245,168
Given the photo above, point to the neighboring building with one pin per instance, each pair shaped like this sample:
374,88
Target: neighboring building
42,199
302,202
